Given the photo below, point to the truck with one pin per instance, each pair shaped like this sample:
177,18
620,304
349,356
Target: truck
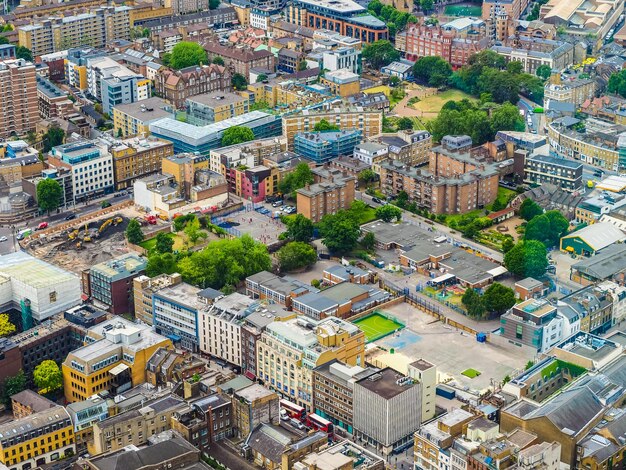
151,219
24,233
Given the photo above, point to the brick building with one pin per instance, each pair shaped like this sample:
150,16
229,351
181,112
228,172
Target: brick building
331,192
18,97
175,86
240,60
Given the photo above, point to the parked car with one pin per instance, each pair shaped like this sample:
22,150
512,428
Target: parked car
277,203
296,424
3,239
376,200
70,217
290,210
42,226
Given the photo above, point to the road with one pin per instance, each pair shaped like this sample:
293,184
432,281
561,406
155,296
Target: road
80,210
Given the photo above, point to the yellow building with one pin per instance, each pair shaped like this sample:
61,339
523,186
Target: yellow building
341,82
243,14
214,107
135,158
287,95
114,359
288,351
134,118
37,439
183,168
369,122
76,74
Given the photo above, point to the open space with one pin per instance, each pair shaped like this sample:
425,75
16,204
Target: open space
463,10
430,106
377,326
261,227
453,351
150,244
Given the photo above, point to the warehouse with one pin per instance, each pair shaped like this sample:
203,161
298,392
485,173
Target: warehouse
588,240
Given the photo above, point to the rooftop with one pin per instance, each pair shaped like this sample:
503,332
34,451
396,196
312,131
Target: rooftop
222,98
387,383
146,110
121,267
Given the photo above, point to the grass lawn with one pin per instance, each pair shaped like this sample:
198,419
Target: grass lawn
150,244
463,10
504,194
471,373
433,104
384,88
376,326
368,215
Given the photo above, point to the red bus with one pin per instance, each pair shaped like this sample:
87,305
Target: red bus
320,424
292,410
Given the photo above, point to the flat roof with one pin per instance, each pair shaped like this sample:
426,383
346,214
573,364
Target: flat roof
387,383
217,98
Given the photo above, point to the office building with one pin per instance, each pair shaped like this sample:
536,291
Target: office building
532,323
90,164
175,86
369,122
113,359
84,414
343,57
387,410
276,289
341,82
144,288
52,101
37,439
345,17
592,209
109,283
215,107
138,157
134,119
564,174
124,90
322,147
18,98
299,345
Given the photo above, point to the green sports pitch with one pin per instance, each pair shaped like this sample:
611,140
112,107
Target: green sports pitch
377,326
463,10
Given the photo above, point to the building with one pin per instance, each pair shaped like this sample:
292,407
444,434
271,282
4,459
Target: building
575,91
84,414
215,107
114,359
176,314
342,82
532,323
37,439
90,164
166,366
369,122
10,359
342,455
18,97
52,101
217,18
425,373
403,69
300,348
143,289
592,209
606,264
532,53
123,90
333,392
175,86
37,289
253,184
588,240
565,174
529,288
409,147
458,180
252,406
421,40
339,273
27,402
138,157
512,9
331,194
345,17
189,138
204,421
134,118
344,57
110,282
593,306
324,146
281,290
241,59
135,426
603,445
387,410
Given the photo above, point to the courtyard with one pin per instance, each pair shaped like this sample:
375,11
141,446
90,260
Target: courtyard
262,226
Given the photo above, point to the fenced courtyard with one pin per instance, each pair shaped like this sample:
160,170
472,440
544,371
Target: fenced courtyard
254,220
377,325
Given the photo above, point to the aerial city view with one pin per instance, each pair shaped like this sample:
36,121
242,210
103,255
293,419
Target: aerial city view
312,234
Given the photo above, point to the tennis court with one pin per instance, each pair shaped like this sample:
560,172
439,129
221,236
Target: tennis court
377,325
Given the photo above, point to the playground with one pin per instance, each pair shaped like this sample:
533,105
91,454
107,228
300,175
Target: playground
377,325
255,220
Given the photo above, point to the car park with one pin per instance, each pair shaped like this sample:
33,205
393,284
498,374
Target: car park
277,203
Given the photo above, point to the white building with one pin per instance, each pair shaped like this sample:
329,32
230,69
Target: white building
99,68
29,283
175,311
342,58
371,152
220,327
426,374
618,293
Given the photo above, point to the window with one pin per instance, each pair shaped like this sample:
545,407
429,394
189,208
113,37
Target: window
518,331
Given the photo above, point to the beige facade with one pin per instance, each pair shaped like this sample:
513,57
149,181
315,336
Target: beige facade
19,111
135,158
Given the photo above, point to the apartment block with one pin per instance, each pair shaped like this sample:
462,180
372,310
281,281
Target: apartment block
368,121
342,58
113,359
253,184
143,289
288,351
18,98
532,53
408,147
53,102
342,82
175,86
512,8
322,147
209,108
569,91
240,60
425,374
332,191
110,283
138,157
133,119
562,173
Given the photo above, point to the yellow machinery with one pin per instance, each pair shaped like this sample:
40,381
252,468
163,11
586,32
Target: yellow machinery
73,234
104,226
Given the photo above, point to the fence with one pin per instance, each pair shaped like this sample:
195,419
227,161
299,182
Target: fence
389,303
221,221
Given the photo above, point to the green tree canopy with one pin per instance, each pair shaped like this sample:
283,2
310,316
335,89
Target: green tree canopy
54,136
432,70
296,255
380,53
527,258
164,243
237,135
367,176
547,228
217,60
49,194
389,212
507,118
239,82
186,54
404,124
617,83
22,52
298,178
529,209
299,228
193,232
473,303
6,327
368,241
543,71
498,298
261,78
47,376
340,232
13,385
324,125
161,264
134,234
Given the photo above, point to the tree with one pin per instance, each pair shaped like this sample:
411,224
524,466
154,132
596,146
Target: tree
389,212
394,81
340,232
358,210
217,60
507,244
547,228
432,70
193,232
22,52
427,5
164,243
187,54
302,65
6,327
367,176
213,4
161,263
237,135
543,71
299,228
498,298
182,220
380,53
324,125
261,78
507,118
369,241
296,255
515,67
527,258
12,385
402,199
239,82
134,234
529,209
3,40
404,124
47,376
49,194
54,136
298,178
473,303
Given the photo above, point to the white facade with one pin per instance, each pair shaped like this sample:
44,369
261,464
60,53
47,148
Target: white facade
342,58
369,152
618,293
104,67
552,333
93,175
260,20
